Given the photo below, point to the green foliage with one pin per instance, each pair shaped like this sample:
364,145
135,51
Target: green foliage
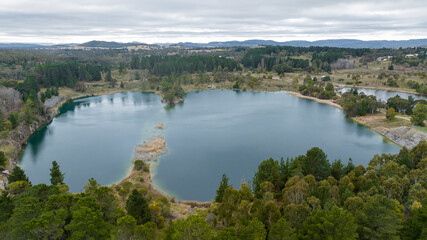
390,114
139,164
316,163
14,119
17,174
236,85
122,84
29,111
338,169
400,105
178,64
254,230
193,227
171,90
222,186
124,229
87,220
279,58
419,115
296,200
29,85
66,74
330,224
18,187
358,104
311,88
137,206
268,171
381,218
56,176
2,160
108,77
282,230
416,224
6,207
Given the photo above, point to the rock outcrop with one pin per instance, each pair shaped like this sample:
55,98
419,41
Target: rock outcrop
404,136
18,137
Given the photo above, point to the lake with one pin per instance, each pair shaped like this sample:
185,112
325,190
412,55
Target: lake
211,133
385,95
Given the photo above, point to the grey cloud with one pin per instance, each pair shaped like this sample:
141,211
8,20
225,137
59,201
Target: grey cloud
216,20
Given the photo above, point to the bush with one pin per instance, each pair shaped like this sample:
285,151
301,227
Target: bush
390,114
139,164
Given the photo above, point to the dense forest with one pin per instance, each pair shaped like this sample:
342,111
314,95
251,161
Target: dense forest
167,65
306,197
279,58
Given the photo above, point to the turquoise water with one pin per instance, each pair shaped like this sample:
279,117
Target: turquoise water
211,133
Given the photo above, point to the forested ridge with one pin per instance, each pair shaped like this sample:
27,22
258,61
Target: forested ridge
306,197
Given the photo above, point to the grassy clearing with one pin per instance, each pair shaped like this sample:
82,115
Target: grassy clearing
379,120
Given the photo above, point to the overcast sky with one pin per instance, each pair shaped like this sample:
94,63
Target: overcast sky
76,21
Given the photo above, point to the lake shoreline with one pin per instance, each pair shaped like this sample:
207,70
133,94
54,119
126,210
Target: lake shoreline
402,136
324,101
54,111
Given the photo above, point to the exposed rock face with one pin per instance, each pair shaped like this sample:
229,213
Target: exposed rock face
20,135
404,136
51,102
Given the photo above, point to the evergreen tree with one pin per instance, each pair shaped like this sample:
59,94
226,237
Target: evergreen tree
56,176
108,76
87,221
137,207
222,186
330,224
17,175
316,163
122,85
6,206
2,160
282,230
14,119
268,171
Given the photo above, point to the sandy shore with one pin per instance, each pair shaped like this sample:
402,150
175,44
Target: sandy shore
325,101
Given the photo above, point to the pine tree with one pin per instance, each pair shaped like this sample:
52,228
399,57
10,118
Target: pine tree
137,207
222,186
122,85
2,160
108,76
56,176
17,175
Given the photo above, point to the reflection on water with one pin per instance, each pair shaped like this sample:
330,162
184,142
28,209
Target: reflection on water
211,133
384,95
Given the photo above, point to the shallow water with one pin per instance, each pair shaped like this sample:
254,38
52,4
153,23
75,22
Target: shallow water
211,133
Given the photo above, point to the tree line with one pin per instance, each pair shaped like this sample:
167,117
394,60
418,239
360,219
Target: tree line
306,197
167,65
279,58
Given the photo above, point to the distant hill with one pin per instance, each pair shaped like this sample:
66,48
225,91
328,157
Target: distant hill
105,44
345,43
20,45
